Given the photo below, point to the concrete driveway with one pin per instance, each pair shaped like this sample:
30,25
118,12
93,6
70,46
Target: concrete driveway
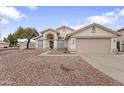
110,64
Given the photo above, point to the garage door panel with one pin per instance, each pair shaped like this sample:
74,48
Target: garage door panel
40,44
60,44
93,45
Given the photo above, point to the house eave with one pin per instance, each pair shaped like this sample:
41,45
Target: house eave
65,27
49,29
79,37
91,25
35,38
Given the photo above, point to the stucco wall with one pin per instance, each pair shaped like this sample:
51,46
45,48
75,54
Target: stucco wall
64,32
37,42
50,32
72,44
113,44
69,43
98,32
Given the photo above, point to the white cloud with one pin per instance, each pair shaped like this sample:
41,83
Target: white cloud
10,12
7,13
99,19
121,12
79,26
73,26
33,7
4,21
113,19
118,27
107,18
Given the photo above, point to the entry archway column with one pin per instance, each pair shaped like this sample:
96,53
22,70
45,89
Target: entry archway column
44,44
55,44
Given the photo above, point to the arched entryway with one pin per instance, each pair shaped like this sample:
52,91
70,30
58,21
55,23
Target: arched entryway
50,39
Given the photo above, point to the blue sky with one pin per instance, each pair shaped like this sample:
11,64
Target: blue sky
52,17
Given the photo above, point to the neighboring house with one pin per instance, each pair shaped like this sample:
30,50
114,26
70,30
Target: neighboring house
120,44
22,43
93,38
4,44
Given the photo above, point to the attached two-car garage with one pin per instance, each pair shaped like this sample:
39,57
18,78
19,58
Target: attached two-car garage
93,45
93,38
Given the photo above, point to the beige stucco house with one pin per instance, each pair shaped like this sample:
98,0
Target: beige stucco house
93,38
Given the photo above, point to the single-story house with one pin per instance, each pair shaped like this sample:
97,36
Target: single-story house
4,44
93,38
22,43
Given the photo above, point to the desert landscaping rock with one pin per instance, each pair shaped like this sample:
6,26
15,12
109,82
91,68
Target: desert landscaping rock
25,67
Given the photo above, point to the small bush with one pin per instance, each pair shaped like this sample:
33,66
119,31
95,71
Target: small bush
64,67
65,50
5,46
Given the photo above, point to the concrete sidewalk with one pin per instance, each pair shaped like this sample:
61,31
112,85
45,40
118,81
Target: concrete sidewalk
112,65
49,51
10,48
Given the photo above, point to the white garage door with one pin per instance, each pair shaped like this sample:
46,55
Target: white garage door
60,44
40,44
93,45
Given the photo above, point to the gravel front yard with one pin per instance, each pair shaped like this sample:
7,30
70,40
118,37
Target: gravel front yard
27,68
59,52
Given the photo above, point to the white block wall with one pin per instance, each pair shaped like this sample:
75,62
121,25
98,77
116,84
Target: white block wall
23,45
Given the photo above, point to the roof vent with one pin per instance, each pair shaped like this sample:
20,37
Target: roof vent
93,29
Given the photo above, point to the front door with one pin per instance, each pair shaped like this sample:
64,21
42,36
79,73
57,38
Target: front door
51,44
118,45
